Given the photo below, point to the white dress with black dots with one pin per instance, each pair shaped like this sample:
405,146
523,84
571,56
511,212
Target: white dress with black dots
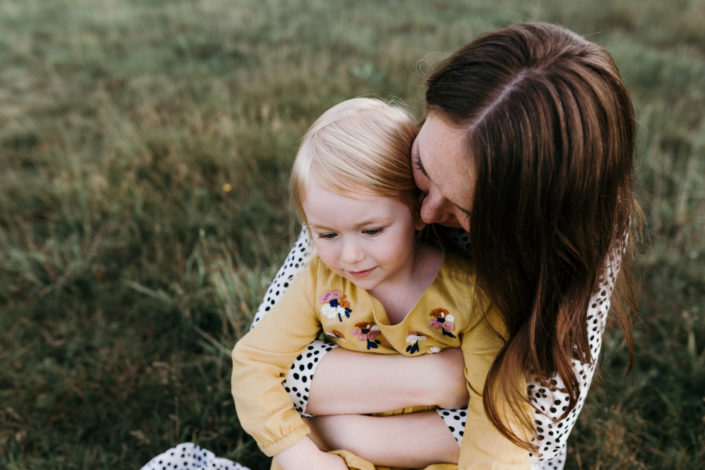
551,434
189,456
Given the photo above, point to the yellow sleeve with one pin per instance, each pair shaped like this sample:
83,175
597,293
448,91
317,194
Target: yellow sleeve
261,360
483,446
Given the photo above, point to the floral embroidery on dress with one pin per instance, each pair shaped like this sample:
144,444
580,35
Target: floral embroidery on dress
335,304
336,334
413,341
434,350
367,331
442,320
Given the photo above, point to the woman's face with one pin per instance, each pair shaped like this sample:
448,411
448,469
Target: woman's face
443,171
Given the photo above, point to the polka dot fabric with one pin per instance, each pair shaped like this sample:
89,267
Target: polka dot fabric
455,420
550,403
299,378
297,259
189,456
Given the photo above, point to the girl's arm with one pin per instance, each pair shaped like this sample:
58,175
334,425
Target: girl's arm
408,441
305,455
341,383
260,360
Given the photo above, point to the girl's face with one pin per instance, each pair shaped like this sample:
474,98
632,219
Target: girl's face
443,171
365,238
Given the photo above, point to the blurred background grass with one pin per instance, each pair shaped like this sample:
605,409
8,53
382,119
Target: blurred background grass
145,148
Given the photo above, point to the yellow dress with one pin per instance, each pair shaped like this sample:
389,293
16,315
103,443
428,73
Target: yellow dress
449,313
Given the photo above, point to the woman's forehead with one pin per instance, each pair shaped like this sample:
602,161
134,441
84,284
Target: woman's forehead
442,149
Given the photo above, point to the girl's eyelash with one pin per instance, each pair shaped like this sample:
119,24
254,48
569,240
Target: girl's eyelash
326,236
376,231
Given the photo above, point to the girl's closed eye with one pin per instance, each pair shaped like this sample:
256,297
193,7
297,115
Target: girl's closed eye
373,231
327,235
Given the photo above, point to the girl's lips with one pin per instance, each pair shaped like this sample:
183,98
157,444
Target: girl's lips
359,274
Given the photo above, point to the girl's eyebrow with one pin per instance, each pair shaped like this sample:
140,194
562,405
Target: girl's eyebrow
318,227
374,221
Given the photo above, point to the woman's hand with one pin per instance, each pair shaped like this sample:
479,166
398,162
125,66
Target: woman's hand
305,455
449,384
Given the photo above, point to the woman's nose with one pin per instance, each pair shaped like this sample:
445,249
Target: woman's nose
431,208
435,209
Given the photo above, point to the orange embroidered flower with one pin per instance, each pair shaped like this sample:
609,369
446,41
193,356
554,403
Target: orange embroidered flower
343,301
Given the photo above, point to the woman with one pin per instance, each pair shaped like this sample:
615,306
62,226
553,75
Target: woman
527,146
526,156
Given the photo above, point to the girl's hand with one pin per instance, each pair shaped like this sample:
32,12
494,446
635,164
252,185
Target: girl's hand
327,461
305,455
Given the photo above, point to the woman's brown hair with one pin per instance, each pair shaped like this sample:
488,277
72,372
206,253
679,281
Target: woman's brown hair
551,134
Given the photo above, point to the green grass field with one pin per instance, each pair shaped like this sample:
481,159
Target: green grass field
145,148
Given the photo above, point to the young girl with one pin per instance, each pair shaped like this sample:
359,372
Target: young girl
372,287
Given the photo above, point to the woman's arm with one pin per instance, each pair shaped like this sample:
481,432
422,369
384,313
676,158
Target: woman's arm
550,403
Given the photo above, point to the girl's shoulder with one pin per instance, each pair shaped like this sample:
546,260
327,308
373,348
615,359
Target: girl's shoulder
457,266
325,279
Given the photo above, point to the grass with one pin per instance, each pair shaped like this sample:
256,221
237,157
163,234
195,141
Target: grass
145,149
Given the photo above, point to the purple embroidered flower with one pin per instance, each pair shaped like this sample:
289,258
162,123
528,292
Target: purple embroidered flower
442,320
367,331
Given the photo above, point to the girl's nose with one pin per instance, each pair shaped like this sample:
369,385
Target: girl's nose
352,253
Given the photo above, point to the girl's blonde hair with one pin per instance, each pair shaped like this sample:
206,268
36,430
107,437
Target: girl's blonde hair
361,145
